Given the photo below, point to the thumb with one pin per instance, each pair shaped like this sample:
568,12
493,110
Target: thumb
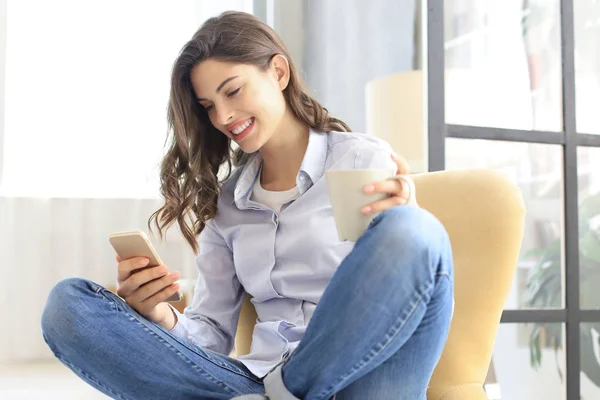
403,168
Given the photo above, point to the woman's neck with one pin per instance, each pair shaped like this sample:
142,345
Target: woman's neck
283,154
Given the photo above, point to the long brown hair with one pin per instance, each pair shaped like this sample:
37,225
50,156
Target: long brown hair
197,150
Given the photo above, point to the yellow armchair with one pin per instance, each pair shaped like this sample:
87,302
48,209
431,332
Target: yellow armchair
484,215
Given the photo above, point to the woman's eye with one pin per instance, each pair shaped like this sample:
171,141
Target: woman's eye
208,108
233,92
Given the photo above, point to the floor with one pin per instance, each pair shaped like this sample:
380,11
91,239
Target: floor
48,380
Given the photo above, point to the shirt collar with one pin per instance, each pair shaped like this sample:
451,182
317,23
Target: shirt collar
313,166
313,163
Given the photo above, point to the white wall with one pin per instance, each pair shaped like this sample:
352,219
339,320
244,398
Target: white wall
289,24
3,30
349,43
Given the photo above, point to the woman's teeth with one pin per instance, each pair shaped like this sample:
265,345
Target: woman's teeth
241,128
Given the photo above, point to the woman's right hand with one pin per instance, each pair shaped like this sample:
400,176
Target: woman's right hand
146,290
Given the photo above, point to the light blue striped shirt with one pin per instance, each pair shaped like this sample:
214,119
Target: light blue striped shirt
283,260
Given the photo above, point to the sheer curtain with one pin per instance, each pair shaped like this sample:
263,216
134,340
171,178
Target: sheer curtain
83,94
349,43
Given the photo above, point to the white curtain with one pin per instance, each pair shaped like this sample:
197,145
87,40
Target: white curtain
44,240
83,94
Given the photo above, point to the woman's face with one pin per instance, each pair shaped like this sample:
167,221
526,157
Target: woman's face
243,102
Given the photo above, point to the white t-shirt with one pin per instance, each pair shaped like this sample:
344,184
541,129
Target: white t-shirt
274,200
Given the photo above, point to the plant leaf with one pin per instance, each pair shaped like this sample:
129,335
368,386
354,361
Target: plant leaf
589,246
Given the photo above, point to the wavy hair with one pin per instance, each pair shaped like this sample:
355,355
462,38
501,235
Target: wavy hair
189,179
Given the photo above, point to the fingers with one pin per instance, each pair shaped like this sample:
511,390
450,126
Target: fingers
398,190
403,167
147,305
384,204
151,288
134,281
397,187
126,268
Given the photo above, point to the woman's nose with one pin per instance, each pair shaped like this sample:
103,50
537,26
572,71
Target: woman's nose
224,115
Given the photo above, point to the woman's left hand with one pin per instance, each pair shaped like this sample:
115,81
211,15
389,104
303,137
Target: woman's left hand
397,189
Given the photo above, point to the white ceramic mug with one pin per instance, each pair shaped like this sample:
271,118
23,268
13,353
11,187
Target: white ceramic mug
347,195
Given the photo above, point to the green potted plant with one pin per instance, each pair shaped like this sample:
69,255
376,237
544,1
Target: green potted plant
544,290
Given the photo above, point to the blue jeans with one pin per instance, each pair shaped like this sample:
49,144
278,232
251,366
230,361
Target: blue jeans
377,332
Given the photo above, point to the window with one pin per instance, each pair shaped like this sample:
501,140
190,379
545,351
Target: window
522,80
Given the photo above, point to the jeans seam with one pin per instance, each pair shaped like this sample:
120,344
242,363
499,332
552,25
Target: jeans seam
228,367
379,347
206,356
193,364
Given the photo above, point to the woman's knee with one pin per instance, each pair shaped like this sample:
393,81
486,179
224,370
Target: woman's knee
411,236
408,226
65,306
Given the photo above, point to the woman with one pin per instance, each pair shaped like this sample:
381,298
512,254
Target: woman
384,302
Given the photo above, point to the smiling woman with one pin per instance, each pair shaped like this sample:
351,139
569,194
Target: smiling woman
255,232
240,73
249,100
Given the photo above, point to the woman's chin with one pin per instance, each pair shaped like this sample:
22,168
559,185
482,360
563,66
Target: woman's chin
250,144
249,148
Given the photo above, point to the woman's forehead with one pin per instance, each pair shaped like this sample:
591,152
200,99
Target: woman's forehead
209,75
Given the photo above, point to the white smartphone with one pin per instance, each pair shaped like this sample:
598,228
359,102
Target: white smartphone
130,244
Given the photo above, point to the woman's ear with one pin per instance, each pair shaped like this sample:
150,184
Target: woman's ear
281,67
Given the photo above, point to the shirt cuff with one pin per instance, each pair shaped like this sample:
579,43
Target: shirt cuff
179,328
